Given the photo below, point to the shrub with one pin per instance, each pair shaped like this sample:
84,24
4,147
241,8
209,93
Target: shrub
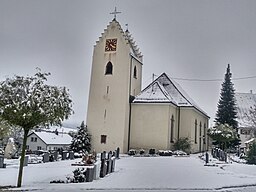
142,151
182,144
251,156
152,151
132,152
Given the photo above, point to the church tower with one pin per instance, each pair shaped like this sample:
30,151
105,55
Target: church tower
115,78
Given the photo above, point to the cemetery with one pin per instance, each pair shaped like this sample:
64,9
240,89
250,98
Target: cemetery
93,167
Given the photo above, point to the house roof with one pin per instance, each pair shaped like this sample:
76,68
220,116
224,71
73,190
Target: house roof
249,141
244,101
59,129
51,138
166,90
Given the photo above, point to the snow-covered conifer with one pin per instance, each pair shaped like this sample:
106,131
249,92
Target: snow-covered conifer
226,113
81,141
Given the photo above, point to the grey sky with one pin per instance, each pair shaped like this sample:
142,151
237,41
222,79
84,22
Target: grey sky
187,39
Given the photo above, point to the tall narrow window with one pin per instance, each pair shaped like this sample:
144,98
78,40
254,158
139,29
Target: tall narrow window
105,114
172,127
204,133
195,131
200,129
109,68
200,136
135,72
107,89
103,139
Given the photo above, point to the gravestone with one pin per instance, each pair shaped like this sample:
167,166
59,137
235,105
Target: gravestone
113,164
96,174
109,154
103,168
206,158
89,174
64,155
109,166
46,157
102,156
117,152
26,160
55,155
71,155
51,157
2,165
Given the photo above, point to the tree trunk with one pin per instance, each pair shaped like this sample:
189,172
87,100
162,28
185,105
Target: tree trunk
22,157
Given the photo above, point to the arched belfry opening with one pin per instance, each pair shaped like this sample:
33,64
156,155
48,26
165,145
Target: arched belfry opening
109,69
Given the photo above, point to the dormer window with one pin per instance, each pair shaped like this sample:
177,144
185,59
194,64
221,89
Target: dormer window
109,69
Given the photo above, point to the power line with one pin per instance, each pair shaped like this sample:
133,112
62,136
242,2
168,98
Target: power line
213,80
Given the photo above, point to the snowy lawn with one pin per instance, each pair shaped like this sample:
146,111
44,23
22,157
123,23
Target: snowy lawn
140,173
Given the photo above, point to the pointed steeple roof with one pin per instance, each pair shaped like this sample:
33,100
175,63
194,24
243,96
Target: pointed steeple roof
164,89
134,50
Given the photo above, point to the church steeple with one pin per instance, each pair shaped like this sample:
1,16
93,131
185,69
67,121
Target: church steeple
116,76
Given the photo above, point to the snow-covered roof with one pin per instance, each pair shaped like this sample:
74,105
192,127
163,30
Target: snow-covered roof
135,51
59,129
249,141
50,138
166,90
244,101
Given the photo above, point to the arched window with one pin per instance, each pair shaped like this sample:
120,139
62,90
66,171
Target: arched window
172,127
135,72
109,68
195,131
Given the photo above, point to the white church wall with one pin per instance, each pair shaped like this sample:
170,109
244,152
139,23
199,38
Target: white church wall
187,129
150,126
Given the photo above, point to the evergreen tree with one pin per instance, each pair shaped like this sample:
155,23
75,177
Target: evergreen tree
81,141
223,135
226,113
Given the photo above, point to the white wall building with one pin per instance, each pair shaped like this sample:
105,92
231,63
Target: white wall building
246,130
47,141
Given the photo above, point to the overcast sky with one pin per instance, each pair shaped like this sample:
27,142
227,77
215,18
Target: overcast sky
193,39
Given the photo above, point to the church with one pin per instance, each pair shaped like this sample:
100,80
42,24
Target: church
122,115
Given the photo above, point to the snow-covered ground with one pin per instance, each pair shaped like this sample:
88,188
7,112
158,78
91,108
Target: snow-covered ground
141,174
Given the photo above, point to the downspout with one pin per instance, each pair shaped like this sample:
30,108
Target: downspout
178,122
130,105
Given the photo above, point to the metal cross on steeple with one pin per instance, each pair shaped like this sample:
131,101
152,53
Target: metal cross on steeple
115,12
